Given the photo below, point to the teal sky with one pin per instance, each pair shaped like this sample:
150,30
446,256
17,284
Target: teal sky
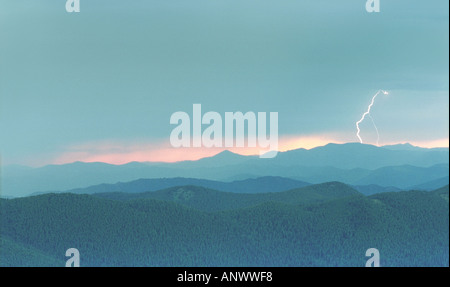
107,79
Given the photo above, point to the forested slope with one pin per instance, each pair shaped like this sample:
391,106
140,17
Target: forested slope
409,228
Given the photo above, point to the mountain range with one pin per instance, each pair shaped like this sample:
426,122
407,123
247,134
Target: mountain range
400,166
205,199
257,185
266,184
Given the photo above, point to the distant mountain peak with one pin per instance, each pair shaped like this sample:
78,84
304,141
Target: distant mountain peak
225,157
226,153
406,147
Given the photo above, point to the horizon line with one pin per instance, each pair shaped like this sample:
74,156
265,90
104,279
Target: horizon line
219,152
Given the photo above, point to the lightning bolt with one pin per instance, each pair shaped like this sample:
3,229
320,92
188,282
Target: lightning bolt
367,113
376,129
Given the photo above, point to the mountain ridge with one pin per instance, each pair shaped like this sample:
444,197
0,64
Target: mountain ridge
341,162
149,232
210,200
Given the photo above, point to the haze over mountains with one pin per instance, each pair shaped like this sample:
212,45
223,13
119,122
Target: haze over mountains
257,185
400,166
233,210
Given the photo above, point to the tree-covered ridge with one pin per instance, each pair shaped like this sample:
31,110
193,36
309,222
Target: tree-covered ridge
249,185
442,192
409,228
16,254
211,200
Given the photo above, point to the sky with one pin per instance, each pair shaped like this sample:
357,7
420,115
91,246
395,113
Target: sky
102,84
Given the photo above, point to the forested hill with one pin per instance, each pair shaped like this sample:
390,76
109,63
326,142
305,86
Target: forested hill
442,192
211,200
250,185
409,228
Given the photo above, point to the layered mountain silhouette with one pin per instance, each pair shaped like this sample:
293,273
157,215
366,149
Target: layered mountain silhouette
401,166
205,199
257,185
267,184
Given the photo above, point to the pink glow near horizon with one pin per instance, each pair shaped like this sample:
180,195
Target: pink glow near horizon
114,153
160,154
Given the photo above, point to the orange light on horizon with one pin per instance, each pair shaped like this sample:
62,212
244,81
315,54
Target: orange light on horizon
122,153
306,142
114,153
